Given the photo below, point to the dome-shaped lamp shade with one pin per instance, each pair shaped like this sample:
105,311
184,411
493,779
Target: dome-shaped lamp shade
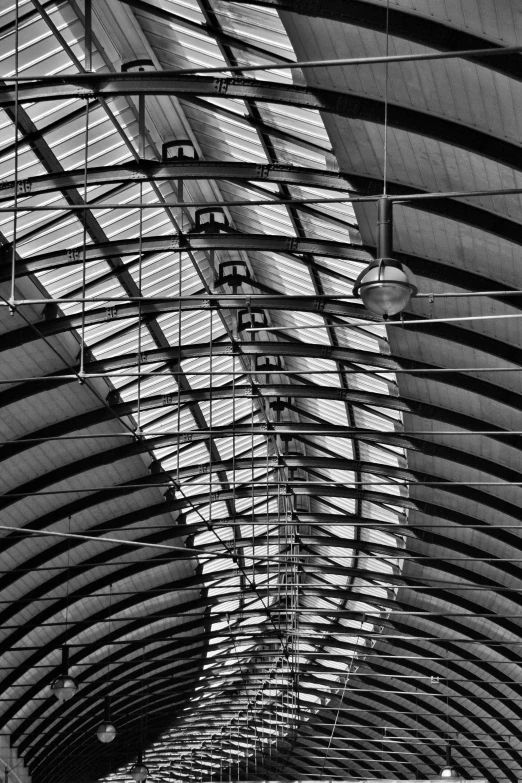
139,772
106,732
449,772
385,287
64,687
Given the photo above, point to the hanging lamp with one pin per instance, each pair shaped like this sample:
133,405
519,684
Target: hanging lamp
106,731
385,285
139,771
449,771
64,686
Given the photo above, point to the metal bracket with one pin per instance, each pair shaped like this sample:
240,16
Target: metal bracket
182,147
254,318
234,278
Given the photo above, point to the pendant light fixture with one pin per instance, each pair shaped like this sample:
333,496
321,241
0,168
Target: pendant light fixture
64,686
139,770
449,771
106,731
385,285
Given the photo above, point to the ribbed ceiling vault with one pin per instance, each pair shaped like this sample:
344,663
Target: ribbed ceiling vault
285,553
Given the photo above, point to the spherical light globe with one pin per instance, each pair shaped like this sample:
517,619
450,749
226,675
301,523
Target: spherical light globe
385,287
106,732
64,687
139,772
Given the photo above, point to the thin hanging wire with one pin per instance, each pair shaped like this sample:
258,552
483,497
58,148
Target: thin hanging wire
348,673
16,155
109,645
67,580
180,291
84,240
141,151
386,66
210,418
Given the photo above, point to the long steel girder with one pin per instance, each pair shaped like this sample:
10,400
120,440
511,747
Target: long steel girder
188,242
495,391
436,269
354,106
46,328
146,170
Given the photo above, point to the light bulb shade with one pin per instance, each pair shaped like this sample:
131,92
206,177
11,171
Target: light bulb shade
139,772
385,287
106,732
64,687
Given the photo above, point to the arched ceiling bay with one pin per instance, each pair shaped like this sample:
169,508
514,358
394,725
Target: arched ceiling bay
286,552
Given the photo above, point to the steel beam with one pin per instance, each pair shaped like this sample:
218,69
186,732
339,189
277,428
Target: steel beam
236,241
146,170
351,106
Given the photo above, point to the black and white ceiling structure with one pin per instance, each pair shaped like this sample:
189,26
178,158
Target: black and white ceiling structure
280,533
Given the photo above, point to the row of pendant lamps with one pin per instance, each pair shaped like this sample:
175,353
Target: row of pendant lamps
65,687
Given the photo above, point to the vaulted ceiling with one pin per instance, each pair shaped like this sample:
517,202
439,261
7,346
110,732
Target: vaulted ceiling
282,534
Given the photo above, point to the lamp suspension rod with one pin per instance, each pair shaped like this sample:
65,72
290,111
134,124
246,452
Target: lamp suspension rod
338,62
384,228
